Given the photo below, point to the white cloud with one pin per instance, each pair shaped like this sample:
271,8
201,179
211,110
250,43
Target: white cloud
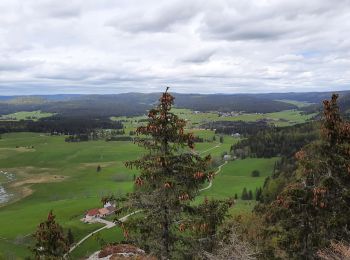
226,46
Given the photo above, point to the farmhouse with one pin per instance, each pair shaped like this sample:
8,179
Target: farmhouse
103,212
111,209
91,214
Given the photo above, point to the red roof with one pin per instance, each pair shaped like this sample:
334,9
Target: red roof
92,212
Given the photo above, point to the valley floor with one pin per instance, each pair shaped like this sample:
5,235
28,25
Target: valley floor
62,176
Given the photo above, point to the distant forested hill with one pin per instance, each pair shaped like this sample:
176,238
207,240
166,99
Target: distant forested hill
130,104
224,103
343,102
312,97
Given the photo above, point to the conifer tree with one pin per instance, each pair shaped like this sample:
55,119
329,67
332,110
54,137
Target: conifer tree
244,194
51,242
70,237
312,211
170,177
250,195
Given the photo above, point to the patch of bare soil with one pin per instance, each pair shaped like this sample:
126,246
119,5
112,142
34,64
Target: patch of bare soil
18,149
37,179
29,176
95,164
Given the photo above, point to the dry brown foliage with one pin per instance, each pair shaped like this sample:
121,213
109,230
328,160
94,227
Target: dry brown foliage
336,251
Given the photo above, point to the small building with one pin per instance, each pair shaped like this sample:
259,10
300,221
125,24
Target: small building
107,204
111,209
227,157
91,214
103,212
236,135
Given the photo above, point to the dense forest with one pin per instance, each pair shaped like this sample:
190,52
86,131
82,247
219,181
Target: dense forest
311,209
60,125
130,104
237,127
277,141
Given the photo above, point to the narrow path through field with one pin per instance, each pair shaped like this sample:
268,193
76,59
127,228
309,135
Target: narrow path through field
211,182
110,224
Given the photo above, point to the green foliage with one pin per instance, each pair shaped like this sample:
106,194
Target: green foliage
255,173
284,141
313,209
50,240
169,180
70,237
258,194
244,195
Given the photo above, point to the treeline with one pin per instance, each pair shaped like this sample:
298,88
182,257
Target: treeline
304,206
131,104
343,103
60,125
282,142
241,127
227,103
273,142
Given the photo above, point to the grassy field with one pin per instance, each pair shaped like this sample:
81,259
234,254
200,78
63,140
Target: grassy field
53,174
195,120
79,190
62,176
299,104
25,115
235,176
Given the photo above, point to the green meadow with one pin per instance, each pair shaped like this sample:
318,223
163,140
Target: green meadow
299,104
196,120
53,174
26,115
62,176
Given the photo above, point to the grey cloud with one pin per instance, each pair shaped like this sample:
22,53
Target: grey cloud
284,19
57,9
159,19
107,46
198,56
9,64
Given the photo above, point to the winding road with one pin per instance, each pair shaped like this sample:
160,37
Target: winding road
110,224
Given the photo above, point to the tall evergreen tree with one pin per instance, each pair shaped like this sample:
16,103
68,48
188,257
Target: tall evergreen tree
170,177
70,237
250,195
315,209
244,194
51,243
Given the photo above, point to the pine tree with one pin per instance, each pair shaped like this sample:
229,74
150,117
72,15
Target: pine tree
255,173
50,240
170,177
315,209
70,237
250,195
258,193
244,194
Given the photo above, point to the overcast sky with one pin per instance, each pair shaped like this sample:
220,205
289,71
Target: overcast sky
218,46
